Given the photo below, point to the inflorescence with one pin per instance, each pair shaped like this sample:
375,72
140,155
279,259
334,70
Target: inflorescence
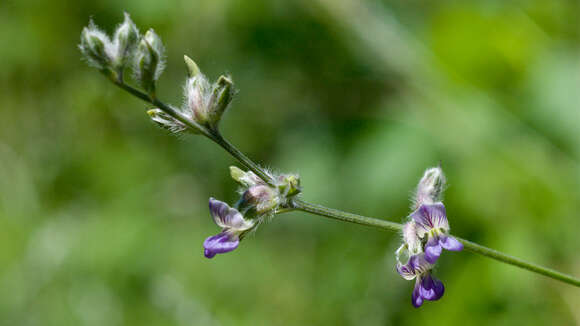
264,194
424,236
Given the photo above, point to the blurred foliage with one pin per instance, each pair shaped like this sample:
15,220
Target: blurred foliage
102,216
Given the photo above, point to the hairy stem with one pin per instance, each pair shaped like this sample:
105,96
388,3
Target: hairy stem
334,213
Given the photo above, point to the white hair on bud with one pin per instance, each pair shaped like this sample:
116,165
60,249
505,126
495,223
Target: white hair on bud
197,93
87,47
166,121
430,188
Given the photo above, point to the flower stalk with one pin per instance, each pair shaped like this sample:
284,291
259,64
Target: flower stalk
332,213
266,194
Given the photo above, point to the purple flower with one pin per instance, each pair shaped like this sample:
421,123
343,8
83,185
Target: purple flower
431,221
427,287
233,225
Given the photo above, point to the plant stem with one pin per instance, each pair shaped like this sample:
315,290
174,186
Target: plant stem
346,217
319,210
468,245
215,136
499,256
237,154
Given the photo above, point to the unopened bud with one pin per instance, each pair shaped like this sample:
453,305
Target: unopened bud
149,61
289,185
166,121
261,197
245,179
94,47
430,188
125,42
206,103
197,96
222,95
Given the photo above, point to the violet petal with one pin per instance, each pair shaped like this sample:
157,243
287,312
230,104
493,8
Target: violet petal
439,289
416,299
429,216
450,243
225,216
432,250
219,244
427,288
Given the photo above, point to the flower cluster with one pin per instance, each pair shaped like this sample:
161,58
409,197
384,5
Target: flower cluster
103,52
204,102
258,201
425,235
127,47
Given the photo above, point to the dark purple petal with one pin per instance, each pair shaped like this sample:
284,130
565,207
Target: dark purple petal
450,243
219,244
416,299
432,250
439,289
427,287
429,216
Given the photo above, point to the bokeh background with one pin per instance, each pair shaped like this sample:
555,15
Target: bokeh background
103,215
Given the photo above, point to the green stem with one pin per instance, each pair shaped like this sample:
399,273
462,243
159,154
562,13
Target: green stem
330,212
237,154
494,254
214,135
346,217
468,245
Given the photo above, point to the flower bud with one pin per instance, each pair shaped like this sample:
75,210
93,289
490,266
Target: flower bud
289,185
261,197
125,42
206,103
430,188
166,121
149,61
95,46
197,95
222,95
245,179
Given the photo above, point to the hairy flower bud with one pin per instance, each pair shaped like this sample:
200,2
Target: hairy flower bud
95,47
205,102
289,185
125,42
222,95
430,188
197,94
149,61
261,197
166,121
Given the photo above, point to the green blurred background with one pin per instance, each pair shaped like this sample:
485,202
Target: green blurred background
103,215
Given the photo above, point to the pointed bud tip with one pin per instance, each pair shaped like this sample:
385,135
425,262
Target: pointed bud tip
192,68
225,80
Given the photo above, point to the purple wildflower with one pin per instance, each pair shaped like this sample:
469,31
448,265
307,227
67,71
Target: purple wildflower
427,287
233,225
431,221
